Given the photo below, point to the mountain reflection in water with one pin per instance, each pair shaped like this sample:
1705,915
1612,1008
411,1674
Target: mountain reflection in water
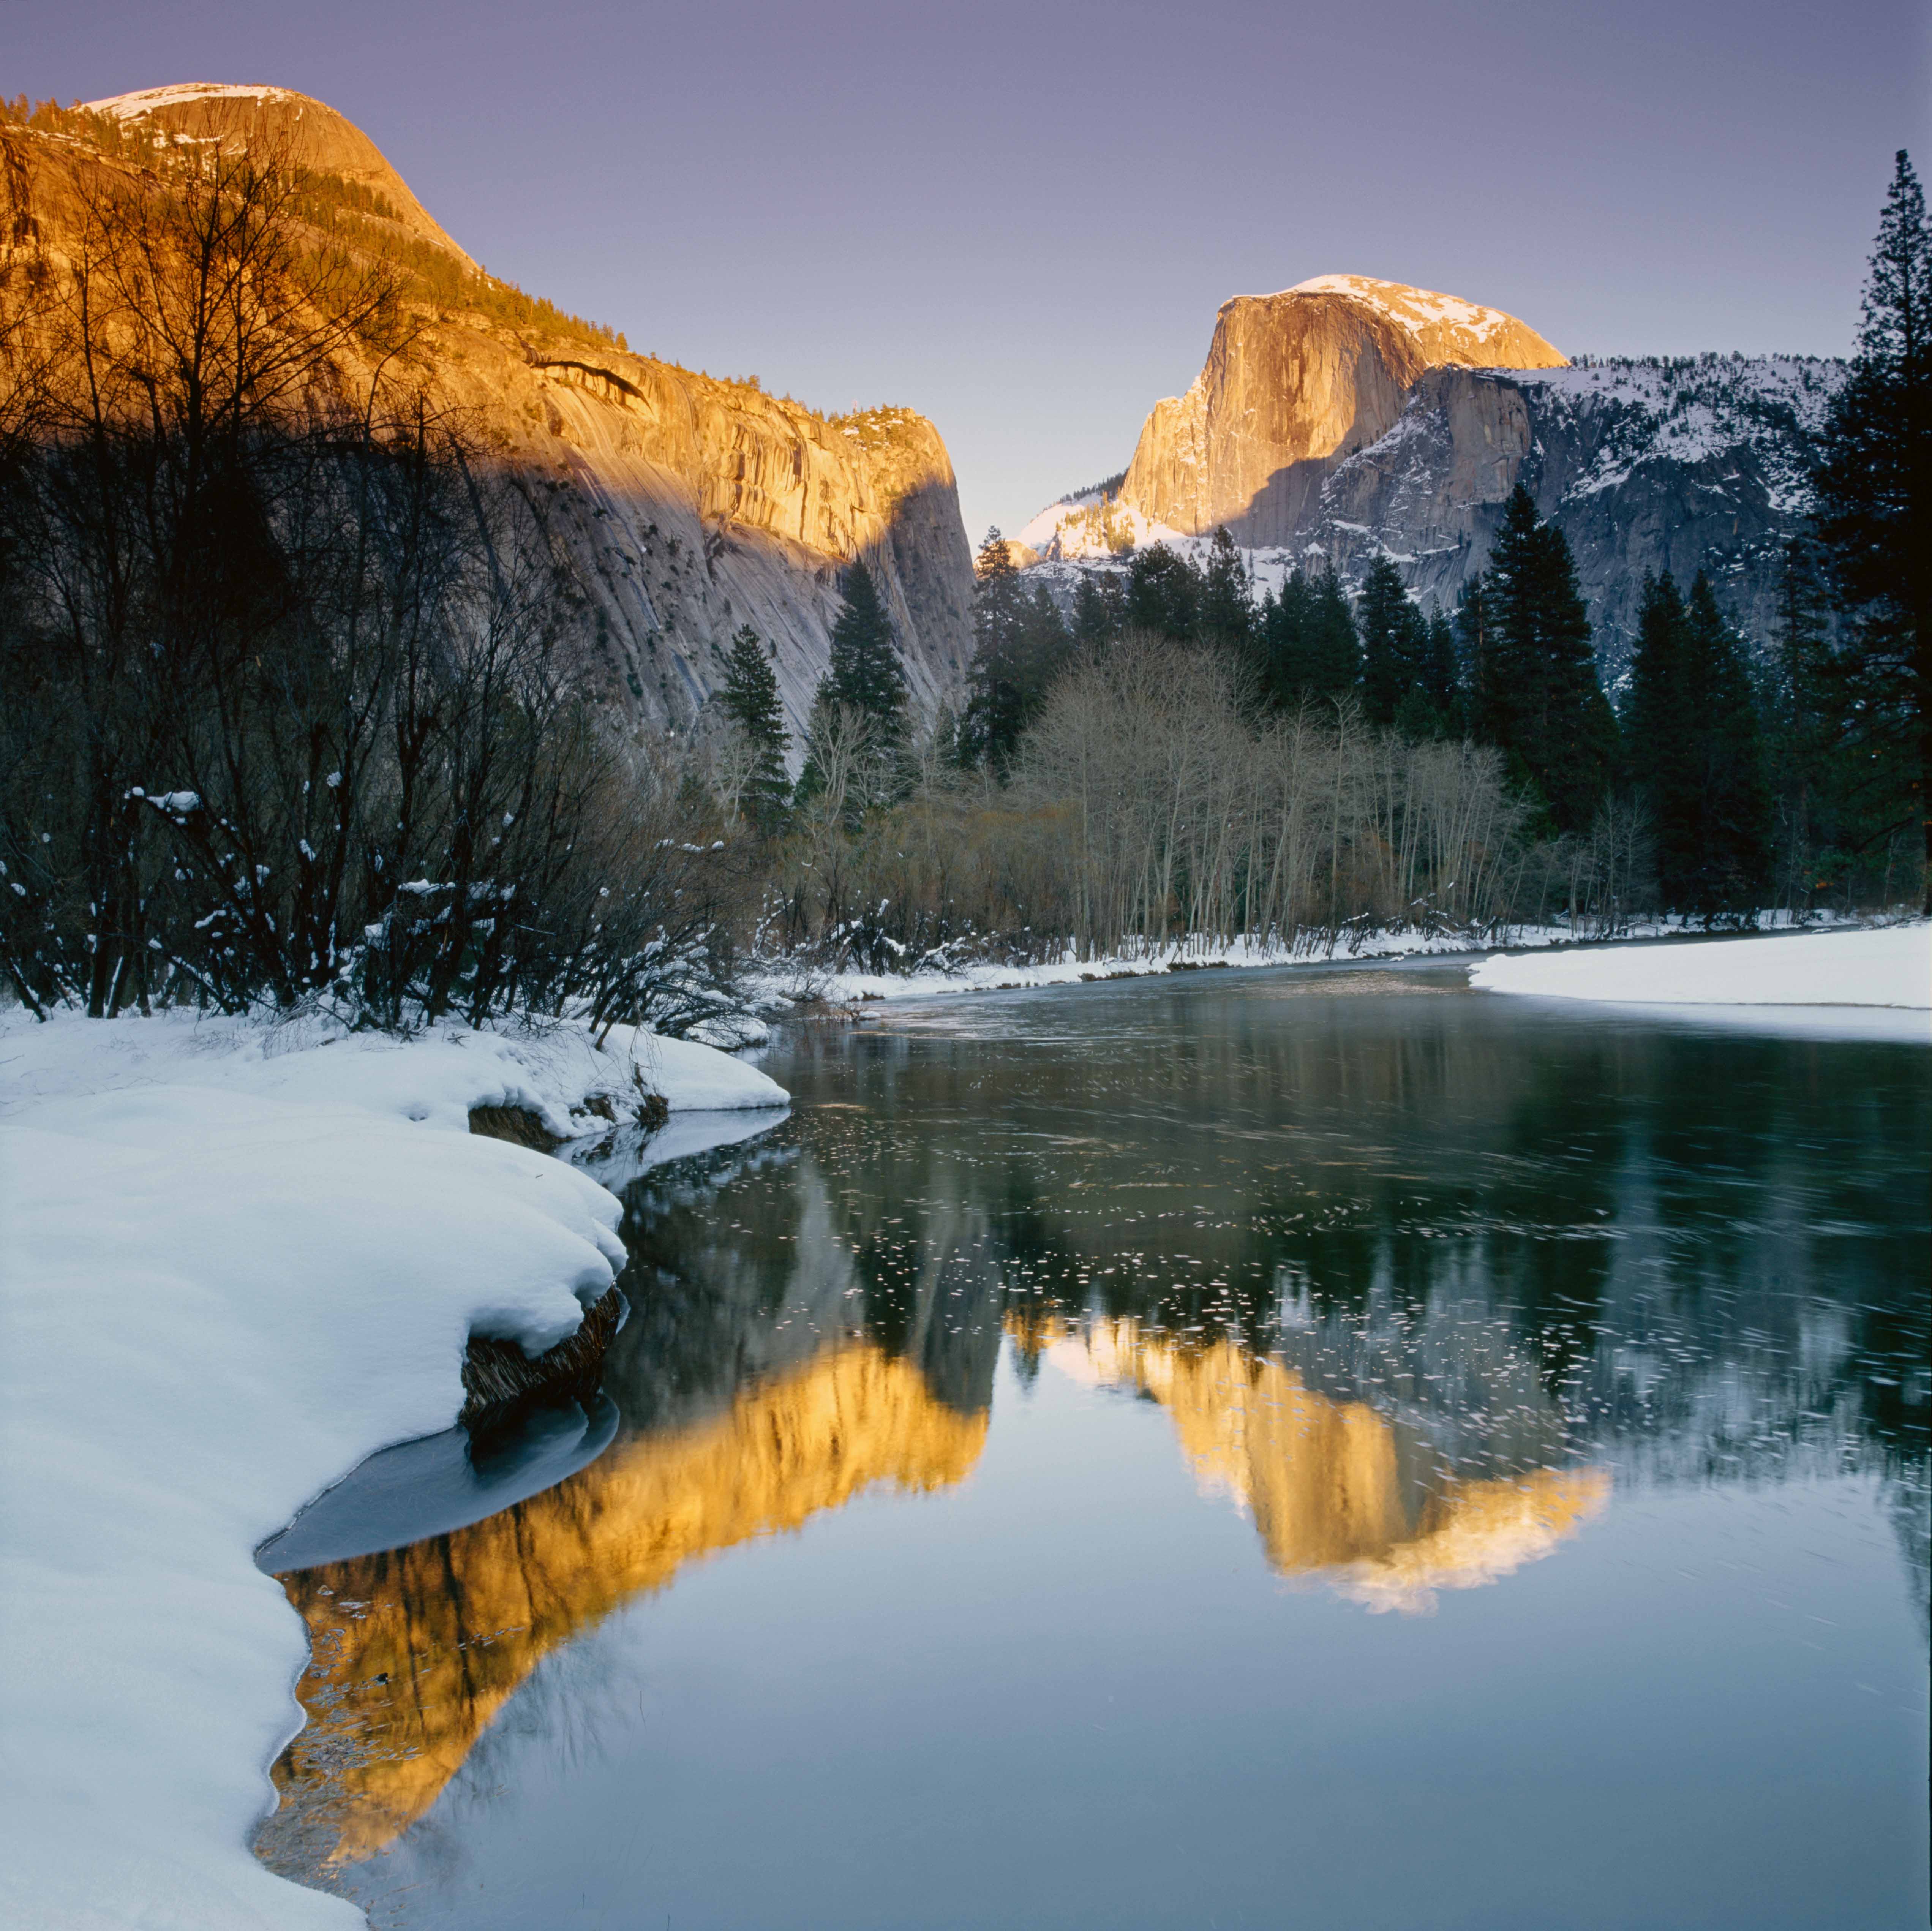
1336,1489
415,1651
1421,1286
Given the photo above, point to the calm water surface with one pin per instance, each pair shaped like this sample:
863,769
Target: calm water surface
1320,1447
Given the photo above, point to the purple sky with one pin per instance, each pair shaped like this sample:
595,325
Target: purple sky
1021,219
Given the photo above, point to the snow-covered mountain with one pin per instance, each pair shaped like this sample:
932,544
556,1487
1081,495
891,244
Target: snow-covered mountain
1350,419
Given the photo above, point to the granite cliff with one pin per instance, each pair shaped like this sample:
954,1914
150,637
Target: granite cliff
1697,462
309,133
689,505
1293,382
1348,419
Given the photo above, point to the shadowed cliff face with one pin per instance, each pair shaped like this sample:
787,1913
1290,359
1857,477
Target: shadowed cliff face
693,506
1293,383
1700,463
689,505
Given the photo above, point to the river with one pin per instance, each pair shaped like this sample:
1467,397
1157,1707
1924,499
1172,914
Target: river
1222,1450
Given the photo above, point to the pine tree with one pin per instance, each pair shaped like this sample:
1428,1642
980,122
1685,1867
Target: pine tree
1331,653
1440,682
1537,694
749,698
749,695
1394,637
1304,649
1226,610
1098,612
864,673
1736,861
1163,594
1470,626
1661,727
857,739
1695,753
1799,726
1874,494
1022,647
999,600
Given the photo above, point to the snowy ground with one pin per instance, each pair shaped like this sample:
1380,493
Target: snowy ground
774,988
239,1260
1827,973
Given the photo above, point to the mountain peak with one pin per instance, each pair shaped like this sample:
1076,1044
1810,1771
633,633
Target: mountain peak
1296,381
136,106
1421,310
311,133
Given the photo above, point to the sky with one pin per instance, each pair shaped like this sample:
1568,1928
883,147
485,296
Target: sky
1020,219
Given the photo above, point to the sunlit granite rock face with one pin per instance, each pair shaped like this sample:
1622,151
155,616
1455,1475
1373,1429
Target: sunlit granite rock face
1349,419
295,127
689,506
415,1651
1295,382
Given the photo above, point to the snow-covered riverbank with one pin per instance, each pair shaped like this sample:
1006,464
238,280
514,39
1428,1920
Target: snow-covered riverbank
773,990
237,1261
1891,967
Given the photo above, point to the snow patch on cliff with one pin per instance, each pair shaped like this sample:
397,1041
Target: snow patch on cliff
133,107
1692,411
1415,309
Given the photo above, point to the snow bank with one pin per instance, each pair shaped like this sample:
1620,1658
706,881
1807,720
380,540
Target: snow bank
234,1265
1358,946
693,1078
1890,967
434,1079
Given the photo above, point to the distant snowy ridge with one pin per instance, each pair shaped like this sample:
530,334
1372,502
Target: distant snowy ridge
1676,462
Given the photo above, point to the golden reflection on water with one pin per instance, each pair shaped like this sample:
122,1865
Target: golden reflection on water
415,1651
1336,1492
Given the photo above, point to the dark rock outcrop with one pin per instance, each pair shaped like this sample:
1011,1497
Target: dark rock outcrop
499,1377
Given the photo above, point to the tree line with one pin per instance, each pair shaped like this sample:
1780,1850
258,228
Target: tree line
1459,764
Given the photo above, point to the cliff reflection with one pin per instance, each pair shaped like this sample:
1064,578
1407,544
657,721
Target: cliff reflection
1405,1280
414,1651
1338,1490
